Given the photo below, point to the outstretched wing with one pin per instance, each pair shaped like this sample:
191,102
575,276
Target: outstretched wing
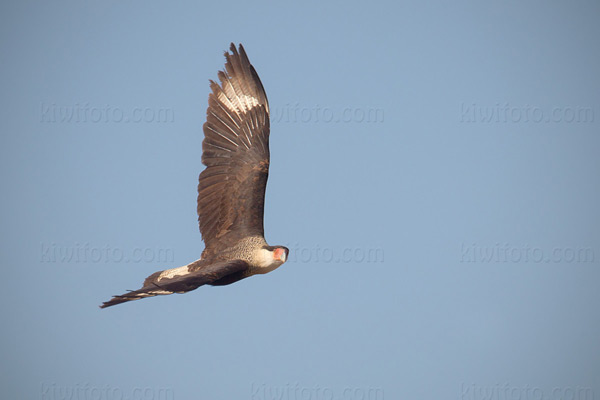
235,150
178,280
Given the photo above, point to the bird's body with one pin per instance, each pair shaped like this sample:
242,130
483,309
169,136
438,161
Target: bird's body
231,189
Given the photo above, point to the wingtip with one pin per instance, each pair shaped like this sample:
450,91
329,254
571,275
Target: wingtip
117,299
107,303
235,50
232,51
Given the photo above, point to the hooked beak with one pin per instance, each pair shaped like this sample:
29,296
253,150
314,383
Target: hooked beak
280,255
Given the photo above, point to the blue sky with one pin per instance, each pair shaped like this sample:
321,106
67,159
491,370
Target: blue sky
434,172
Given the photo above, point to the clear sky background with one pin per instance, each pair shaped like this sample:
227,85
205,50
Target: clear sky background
434,172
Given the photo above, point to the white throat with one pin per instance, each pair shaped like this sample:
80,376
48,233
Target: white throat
265,261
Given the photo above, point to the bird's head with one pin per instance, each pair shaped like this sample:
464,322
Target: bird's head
273,256
280,254
270,258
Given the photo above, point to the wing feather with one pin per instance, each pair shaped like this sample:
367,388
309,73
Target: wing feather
197,274
235,151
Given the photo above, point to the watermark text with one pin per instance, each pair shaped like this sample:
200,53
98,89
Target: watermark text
507,391
88,253
330,255
507,253
84,113
508,113
315,392
86,391
300,114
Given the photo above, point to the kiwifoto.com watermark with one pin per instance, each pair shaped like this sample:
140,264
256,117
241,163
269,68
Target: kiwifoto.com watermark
302,114
507,113
508,253
297,391
506,391
87,391
332,255
88,253
84,113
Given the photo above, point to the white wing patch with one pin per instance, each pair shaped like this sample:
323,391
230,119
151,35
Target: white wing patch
240,104
170,273
151,293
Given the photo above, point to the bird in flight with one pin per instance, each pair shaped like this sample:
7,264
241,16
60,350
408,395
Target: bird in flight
231,189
